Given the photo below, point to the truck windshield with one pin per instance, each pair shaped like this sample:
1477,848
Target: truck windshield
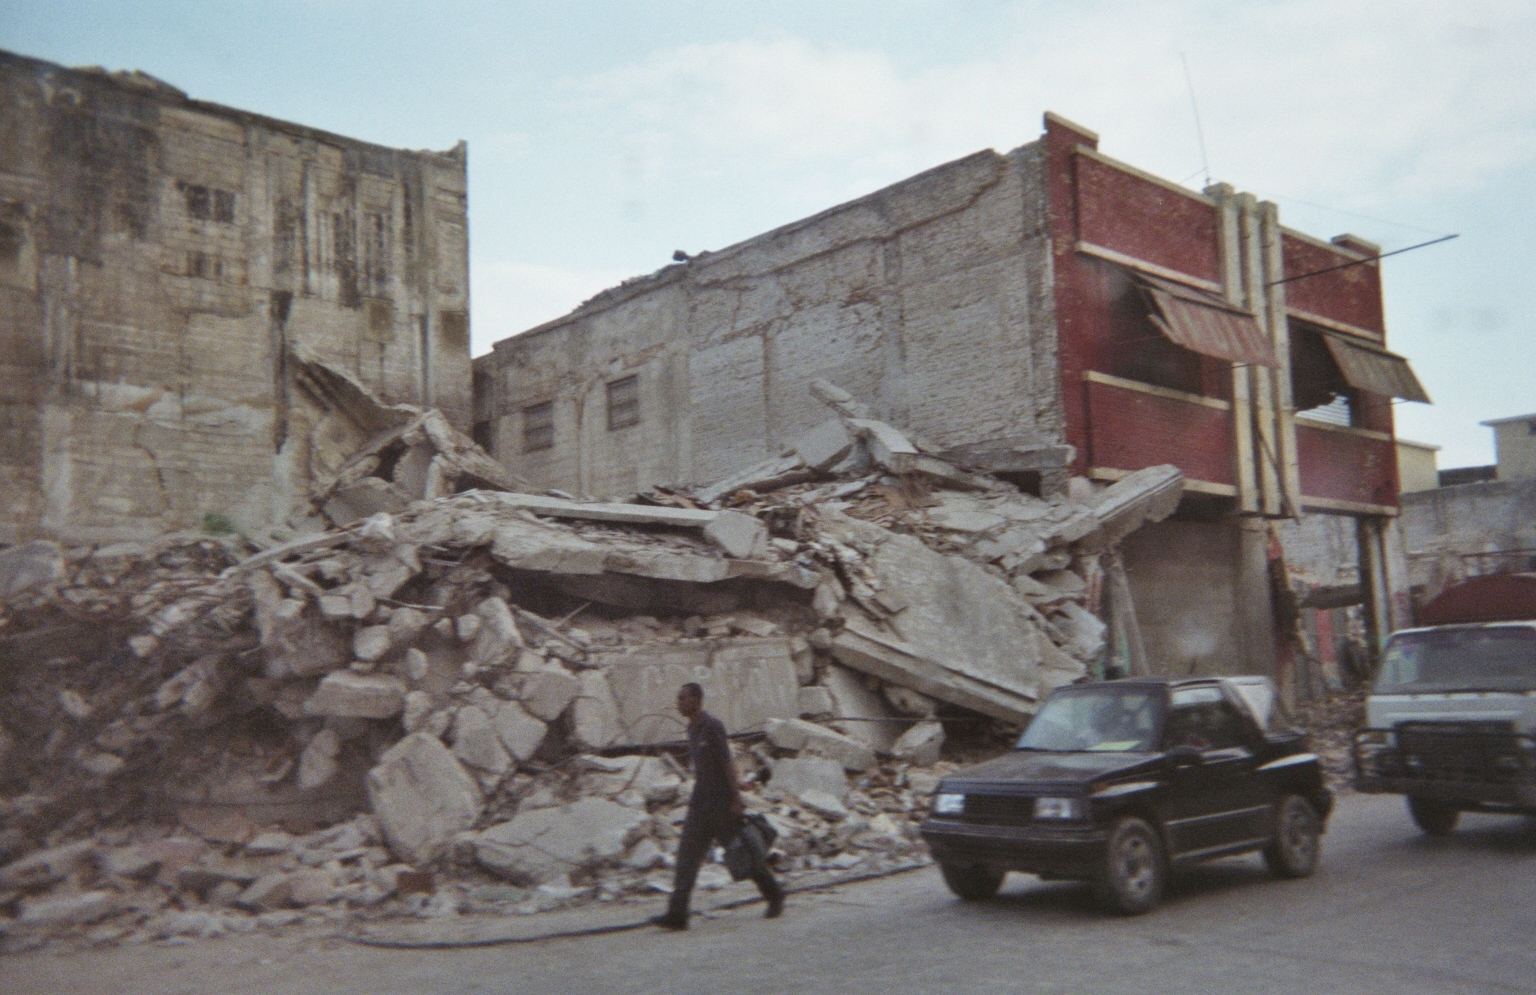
1104,719
1459,658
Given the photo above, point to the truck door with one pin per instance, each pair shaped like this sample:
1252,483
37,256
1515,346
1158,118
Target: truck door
1216,802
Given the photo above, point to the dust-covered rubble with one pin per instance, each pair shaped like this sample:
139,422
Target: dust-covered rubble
444,702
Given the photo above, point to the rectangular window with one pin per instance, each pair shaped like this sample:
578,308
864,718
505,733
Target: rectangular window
623,403
208,204
539,427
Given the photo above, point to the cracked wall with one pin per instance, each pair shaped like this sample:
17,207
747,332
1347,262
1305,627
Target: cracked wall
929,300
159,256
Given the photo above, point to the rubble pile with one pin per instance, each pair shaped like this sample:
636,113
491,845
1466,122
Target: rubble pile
449,702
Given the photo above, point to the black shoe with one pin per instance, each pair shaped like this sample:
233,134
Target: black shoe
669,921
775,904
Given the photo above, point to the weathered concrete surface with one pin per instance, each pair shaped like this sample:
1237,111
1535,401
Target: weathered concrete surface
746,682
179,249
737,534
422,797
538,845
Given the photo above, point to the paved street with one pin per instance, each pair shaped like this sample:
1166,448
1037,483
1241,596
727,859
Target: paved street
1389,912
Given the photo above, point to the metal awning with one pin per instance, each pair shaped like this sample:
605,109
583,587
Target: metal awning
1374,369
1206,324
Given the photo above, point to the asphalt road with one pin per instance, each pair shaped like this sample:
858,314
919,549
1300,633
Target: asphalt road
1389,911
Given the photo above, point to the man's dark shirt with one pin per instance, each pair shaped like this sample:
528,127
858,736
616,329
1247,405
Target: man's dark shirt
709,753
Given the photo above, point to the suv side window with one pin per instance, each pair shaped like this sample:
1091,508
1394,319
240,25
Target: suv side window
1202,718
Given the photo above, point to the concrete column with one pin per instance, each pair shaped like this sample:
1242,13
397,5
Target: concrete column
1263,385
1370,538
1255,608
1242,394
1279,329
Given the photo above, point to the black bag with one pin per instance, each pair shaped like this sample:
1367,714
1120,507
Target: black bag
747,852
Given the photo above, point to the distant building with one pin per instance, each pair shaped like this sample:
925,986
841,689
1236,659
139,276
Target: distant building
1417,466
1005,303
1514,447
160,259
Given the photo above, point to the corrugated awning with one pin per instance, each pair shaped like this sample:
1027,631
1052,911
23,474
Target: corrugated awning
1206,324
1373,369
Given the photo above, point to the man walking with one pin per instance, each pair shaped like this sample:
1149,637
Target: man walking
714,811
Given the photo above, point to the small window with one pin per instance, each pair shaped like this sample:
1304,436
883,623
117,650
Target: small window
1202,718
623,403
207,204
539,427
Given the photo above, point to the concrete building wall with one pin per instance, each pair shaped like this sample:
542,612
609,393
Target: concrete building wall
159,257
1417,466
1514,446
1455,532
1184,580
928,300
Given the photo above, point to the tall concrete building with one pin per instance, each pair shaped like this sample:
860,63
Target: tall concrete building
1006,304
162,263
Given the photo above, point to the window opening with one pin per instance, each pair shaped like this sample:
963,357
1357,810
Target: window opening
624,403
539,427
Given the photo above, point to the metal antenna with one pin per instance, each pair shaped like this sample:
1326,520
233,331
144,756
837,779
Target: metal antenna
1205,163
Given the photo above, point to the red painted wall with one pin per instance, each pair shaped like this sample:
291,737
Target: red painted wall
1130,429
1346,467
1351,295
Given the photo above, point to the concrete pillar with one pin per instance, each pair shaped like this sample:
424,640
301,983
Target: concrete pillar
1277,325
1242,401
1255,608
1267,444
1370,537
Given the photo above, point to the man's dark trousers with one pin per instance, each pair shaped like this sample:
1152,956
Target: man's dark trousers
701,828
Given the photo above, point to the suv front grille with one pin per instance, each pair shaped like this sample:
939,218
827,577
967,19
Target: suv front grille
999,809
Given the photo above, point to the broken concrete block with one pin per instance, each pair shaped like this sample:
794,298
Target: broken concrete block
838,399
467,627
422,797
1010,456
520,733
1085,631
45,867
127,862
28,566
101,764
808,737
297,640
740,535
746,682
822,803
416,665
536,846
498,639
371,642
595,721
363,499
1148,495
1058,667
804,658
825,445
814,702
475,742
268,892
792,775
405,625
418,705
317,764
883,441
921,744
906,701
72,909
866,710
632,780
547,691
311,886
768,475
644,855
363,696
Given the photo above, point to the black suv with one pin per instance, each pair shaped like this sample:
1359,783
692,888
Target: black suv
1116,783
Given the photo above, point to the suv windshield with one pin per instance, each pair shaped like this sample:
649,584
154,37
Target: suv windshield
1104,718
1460,658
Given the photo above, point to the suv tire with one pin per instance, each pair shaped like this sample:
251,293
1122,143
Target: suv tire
1135,868
1294,851
1435,818
972,882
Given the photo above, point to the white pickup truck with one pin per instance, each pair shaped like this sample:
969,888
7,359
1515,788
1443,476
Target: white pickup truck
1451,717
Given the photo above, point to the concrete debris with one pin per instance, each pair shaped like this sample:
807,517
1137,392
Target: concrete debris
460,678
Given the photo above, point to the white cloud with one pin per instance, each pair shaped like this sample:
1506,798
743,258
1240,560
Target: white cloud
1362,104
512,297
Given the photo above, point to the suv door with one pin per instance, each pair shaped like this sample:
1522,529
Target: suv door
1217,802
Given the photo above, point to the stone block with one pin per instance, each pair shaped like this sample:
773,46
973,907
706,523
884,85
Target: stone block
475,742
266,893
317,764
631,780
75,909
364,499
547,692
520,733
822,803
595,720
497,639
370,642
908,702
1085,632
868,714
312,886
825,445
921,744
418,705
814,702
746,682
792,775
297,639
740,535
537,846
363,696
808,737
422,797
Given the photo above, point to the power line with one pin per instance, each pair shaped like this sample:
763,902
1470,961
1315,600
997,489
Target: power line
1357,262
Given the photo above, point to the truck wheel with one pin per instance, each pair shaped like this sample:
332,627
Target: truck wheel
972,882
1293,852
1435,818
1135,868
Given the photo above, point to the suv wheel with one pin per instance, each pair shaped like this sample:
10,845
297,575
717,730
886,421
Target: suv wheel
972,882
1435,818
1294,850
1135,868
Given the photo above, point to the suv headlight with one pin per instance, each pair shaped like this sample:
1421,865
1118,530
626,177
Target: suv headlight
948,804
1058,808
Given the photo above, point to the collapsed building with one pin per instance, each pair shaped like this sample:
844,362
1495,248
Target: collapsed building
465,702
163,260
1040,314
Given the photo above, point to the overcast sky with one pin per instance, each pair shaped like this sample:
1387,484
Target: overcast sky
603,136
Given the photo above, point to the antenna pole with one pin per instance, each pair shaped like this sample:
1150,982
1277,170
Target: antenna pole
1189,82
